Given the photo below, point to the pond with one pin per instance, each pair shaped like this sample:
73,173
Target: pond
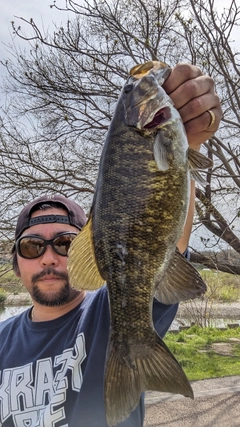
182,323
12,310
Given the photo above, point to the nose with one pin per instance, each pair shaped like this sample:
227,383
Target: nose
50,257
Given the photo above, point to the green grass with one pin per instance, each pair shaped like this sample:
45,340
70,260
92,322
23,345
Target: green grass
188,344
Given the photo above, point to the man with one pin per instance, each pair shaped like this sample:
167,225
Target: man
52,356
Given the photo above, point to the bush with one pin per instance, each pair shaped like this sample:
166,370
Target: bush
222,287
3,296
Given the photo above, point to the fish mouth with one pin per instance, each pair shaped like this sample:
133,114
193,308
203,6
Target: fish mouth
161,117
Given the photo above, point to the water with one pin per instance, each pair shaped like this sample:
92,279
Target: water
214,323
12,310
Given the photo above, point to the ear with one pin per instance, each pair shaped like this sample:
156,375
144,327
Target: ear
17,272
15,264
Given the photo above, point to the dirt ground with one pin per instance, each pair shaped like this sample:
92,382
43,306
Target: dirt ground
216,403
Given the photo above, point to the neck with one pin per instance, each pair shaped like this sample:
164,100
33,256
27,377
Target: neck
41,313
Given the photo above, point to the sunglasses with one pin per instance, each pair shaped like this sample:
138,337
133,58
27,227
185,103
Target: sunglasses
32,246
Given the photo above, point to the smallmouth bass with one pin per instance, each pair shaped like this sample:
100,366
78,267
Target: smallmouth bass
137,217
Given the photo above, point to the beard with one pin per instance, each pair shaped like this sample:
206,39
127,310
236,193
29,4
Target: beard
54,298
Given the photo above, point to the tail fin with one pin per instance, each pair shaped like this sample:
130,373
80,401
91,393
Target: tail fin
152,368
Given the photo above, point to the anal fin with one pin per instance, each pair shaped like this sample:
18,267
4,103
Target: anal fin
180,282
197,161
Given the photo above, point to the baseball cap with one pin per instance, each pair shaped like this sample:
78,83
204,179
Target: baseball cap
75,217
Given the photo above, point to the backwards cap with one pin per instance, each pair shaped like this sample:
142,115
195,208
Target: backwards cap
76,215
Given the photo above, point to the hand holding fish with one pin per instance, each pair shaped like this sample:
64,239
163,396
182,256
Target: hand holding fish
198,104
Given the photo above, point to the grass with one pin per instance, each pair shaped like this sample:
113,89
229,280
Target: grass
192,349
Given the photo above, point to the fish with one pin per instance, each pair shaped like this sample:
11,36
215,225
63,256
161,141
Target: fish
136,219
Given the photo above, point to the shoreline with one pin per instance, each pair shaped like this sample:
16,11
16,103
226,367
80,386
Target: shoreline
22,298
228,310
215,310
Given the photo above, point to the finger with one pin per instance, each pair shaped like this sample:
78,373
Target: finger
191,90
212,119
193,95
198,106
204,122
180,74
201,128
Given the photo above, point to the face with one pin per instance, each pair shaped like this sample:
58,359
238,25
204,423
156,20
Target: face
46,277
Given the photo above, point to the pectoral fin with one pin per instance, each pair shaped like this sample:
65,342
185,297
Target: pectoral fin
82,266
180,282
161,149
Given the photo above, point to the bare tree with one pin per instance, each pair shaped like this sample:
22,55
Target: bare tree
210,42
62,91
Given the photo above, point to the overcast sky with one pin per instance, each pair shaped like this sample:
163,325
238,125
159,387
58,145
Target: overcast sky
44,16
39,10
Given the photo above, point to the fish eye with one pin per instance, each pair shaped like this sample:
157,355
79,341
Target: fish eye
128,87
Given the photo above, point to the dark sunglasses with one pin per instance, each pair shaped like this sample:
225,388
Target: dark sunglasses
34,246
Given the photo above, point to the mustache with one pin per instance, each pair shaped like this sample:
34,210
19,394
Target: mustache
49,271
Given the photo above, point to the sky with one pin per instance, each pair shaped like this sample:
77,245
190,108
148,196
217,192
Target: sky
38,10
44,17
42,14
